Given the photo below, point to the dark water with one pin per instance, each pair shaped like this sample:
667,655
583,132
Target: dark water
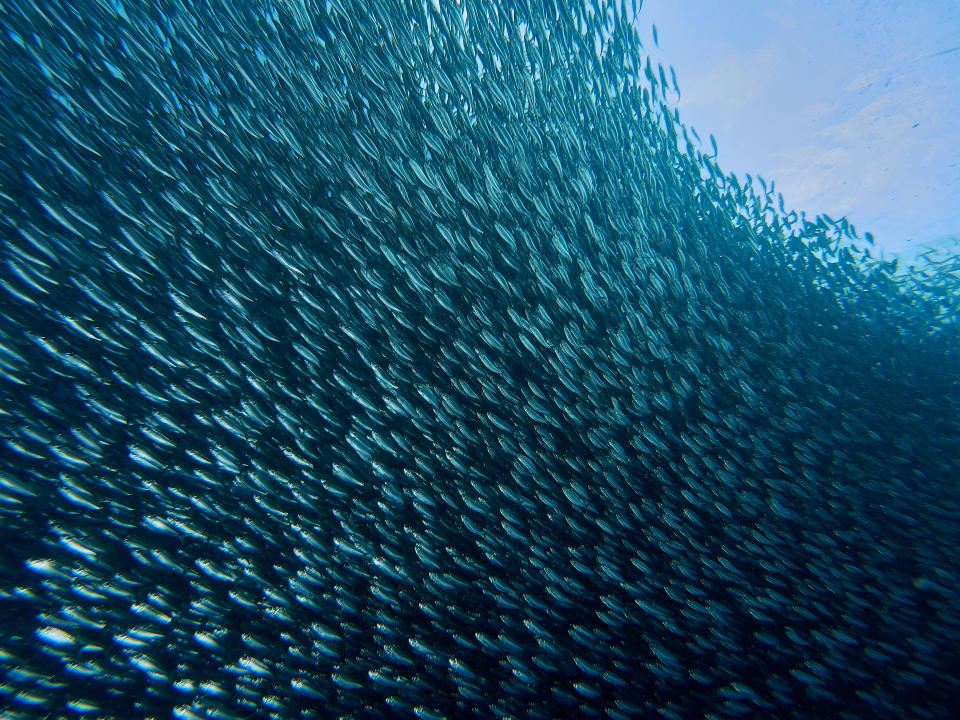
398,360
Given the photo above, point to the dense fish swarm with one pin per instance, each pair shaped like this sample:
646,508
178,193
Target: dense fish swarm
388,359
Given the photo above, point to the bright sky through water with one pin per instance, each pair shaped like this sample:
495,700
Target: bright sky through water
851,106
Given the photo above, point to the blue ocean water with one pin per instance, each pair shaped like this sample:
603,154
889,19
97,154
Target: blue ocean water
848,105
391,359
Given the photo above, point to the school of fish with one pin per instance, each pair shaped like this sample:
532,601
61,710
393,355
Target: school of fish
413,359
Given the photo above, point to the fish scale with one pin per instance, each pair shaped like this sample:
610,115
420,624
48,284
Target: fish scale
393,359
